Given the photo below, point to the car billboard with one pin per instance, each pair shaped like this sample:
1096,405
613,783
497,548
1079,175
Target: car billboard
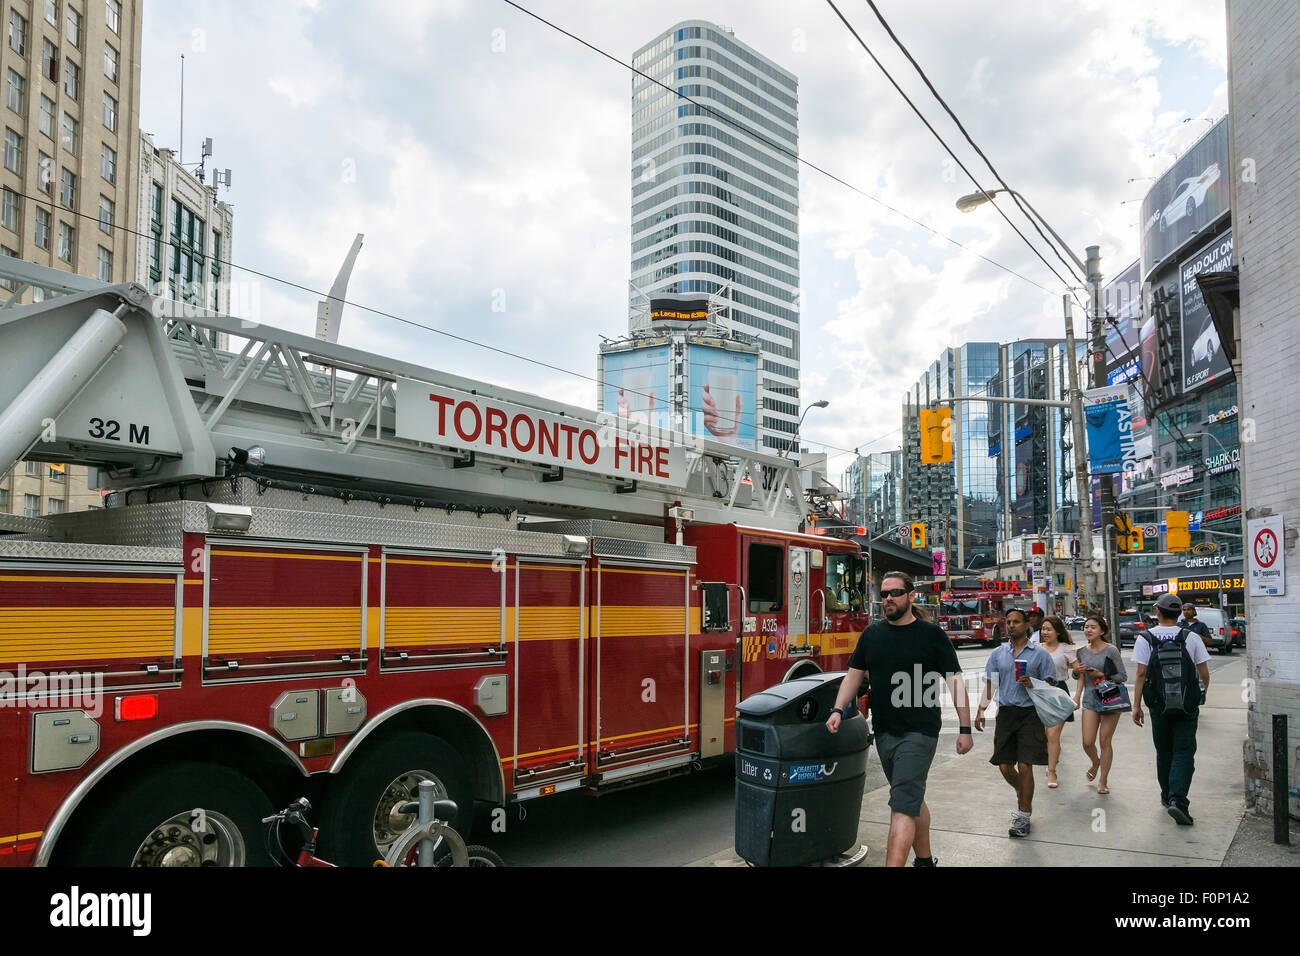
1122,300
1187,199
723,395
1203,358
636,386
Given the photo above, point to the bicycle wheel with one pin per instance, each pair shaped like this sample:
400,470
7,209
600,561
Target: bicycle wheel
403,849
478,854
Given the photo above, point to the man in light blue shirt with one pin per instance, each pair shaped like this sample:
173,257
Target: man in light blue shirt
1019,740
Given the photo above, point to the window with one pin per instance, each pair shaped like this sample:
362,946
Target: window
69,134
105,215
110,62
113,15
47,116
17,33
14,92
50,60
56,506
766,578
10,284
9,210
56,473
45,174
68,188
186,276
155,207
74,27
67,239
32,506
108,162
4,501
105,263
43,228
110,113
13,152
52,12
33,468
72,79
216,256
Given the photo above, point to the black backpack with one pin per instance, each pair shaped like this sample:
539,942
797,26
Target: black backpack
1173,688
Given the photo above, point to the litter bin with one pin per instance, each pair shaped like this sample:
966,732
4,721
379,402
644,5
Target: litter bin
798,786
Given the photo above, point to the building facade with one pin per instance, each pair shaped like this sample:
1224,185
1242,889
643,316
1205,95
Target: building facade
872,485
183,233
1263,48
715,198
71,70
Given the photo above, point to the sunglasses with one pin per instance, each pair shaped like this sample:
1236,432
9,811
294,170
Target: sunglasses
894,592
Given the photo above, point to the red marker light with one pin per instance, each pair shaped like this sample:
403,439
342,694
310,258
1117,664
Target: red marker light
136,707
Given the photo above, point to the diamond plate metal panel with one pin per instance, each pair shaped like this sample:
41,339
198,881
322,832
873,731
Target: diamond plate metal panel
643,550
20,524
603,528
246,492
140,525
108,553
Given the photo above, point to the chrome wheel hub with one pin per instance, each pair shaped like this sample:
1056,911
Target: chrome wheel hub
389,823
192,838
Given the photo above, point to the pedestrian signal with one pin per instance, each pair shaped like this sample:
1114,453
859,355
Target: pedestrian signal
1177,537
918,535
936,436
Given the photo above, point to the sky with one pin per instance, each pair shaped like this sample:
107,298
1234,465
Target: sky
487,160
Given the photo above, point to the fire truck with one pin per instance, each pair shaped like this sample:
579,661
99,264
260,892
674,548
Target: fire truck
973,611
325,571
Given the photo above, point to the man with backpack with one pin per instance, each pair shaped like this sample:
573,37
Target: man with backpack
1173,674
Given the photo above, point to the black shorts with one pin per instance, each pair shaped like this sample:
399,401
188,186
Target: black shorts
1019,737
906,759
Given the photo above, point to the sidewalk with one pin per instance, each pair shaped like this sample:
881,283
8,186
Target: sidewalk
971,804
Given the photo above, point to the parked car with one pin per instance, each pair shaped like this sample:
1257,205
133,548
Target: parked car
1222,636
1075,623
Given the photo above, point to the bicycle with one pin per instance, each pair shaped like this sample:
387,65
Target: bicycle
445,847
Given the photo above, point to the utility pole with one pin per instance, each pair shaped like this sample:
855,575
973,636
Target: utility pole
1082,489
947,554
1098,334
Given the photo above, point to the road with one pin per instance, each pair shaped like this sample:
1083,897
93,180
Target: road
671,823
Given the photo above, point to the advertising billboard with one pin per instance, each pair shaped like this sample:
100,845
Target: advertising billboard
1187,199
723,395
1122,300
636,386
1203,357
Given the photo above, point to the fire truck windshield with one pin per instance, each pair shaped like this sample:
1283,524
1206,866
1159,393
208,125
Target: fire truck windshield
845,575
961,607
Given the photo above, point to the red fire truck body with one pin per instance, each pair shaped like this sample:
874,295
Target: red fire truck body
205,649
976,615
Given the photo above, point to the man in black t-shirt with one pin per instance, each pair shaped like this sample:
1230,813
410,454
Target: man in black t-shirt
907,661
1198,628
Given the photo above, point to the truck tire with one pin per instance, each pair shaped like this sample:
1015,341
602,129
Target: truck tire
186,814
361,819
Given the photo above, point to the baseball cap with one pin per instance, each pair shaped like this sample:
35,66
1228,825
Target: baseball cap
1171,603
1034,609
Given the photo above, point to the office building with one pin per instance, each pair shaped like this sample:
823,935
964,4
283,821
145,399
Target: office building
715,208
872,485
71,70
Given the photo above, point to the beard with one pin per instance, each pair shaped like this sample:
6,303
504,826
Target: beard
897,612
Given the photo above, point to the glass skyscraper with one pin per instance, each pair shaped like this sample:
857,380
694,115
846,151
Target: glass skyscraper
715,208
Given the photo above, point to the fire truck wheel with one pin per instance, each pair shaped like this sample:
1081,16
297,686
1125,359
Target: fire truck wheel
187,814
362,821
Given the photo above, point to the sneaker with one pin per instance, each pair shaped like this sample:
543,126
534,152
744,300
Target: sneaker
1179,814
928,861
1019,825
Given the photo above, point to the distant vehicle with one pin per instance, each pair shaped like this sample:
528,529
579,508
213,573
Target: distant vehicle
1222,638
1206,344
1075,623
1190,195
1131,624
1239,630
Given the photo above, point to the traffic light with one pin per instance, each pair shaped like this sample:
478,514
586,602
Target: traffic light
936,436
1135,540
1177,537
1124,534
918,535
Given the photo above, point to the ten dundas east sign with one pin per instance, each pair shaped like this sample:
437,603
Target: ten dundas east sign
607,446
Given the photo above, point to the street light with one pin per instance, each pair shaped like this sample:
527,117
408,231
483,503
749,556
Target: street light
821,403
1092,273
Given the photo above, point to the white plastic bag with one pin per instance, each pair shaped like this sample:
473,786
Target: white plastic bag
1053,704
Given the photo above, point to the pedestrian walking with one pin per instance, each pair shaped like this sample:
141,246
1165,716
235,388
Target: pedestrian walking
1173,690
1019,739
1054,638
1190,622
905,660
1035,616
1098,660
